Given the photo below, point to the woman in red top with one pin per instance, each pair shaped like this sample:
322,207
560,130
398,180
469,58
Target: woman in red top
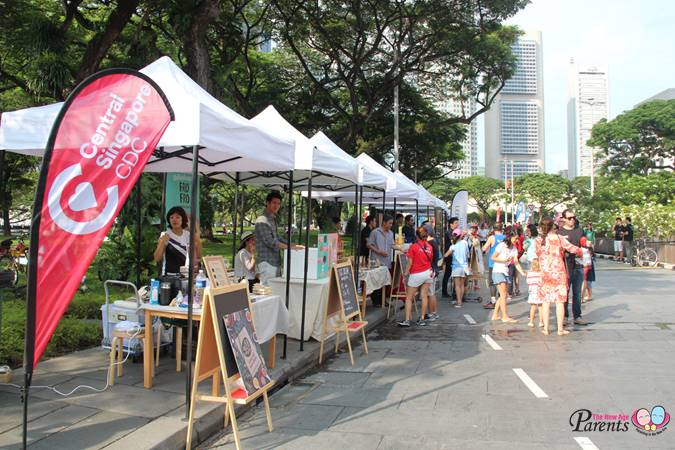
419,276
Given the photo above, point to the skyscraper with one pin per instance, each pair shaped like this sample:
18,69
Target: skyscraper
587,104
469,166
514,125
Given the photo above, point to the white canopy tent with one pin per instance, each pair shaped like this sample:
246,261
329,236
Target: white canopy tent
227,140
330,166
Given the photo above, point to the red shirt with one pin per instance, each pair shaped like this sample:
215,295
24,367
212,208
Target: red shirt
421,254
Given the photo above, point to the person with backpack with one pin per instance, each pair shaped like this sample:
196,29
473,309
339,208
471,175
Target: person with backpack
419,276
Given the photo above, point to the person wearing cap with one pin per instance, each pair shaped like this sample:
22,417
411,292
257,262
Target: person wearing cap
244,262
459,252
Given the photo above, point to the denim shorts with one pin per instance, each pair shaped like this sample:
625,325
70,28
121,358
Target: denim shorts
500,278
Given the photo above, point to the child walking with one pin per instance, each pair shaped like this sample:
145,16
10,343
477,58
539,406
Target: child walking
533,283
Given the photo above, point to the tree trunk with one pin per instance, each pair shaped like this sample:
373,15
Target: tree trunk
5,202
99,46
6,229
195,45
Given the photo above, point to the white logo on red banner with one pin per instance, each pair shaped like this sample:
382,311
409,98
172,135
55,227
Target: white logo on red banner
101,144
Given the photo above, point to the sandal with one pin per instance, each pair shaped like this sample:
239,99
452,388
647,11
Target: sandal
530,324
563,332
545,332
509,320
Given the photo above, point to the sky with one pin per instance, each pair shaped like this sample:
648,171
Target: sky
636,39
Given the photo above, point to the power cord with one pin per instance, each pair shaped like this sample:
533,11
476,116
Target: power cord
84,386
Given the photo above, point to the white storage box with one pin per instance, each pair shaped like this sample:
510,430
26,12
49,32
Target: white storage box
318,262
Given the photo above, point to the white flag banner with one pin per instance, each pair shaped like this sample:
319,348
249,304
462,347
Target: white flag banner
460,203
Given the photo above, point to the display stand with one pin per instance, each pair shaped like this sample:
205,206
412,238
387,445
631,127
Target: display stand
215,359
343,304
398,284
216,271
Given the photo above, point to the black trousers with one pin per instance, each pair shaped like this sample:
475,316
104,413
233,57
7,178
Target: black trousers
446,277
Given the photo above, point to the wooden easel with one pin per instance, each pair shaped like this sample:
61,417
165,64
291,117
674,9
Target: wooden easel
216,270
214,359
400,266
343,303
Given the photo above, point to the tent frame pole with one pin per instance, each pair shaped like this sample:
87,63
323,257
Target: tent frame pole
359,205
288,252
138,231
191,274
357,235
384,205
234,217
242,201
301,216
304,281
417,212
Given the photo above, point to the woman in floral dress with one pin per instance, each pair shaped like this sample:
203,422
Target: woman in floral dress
550,249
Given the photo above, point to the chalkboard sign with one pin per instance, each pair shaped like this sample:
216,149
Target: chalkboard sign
226,319
347,286
403,260
225,302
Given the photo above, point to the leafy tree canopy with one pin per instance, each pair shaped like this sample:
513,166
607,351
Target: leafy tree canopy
546,189
638,140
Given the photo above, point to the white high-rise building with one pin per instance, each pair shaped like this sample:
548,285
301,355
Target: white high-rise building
587,104
469,165
514,125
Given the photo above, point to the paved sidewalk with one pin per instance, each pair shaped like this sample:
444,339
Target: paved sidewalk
126,416
445,387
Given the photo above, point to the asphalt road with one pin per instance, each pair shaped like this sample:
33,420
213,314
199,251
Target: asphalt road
460,385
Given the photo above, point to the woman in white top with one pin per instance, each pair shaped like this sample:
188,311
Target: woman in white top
173,245
244,262
504,255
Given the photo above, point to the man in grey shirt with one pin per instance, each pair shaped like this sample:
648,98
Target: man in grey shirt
268,241
381,241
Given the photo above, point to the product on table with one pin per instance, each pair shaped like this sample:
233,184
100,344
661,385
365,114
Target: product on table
154,292
200,285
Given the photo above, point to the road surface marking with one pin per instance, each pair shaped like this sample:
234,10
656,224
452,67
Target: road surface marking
585,443
492,342
469,319
531,385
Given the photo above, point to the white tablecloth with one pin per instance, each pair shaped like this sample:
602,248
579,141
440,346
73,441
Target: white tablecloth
315,307
375,278
270,316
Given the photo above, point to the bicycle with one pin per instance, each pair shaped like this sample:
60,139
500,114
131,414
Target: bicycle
13,262
643,255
